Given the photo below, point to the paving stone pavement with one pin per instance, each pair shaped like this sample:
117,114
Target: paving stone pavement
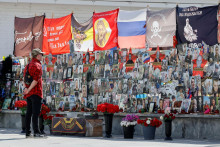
13,138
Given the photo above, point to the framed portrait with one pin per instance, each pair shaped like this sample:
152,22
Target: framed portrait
185,105
69,72
6,104
151,107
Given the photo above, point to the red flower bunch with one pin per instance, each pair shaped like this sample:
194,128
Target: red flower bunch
44,110
107,108
21,104
168,117
150,122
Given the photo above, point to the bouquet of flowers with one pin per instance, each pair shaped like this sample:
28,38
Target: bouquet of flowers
107,108
168,117
150,122
22,105
129,120
44,112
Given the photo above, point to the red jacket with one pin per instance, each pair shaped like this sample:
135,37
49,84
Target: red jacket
35,70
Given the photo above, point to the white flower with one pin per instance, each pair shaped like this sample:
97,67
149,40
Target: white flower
161,117
148,121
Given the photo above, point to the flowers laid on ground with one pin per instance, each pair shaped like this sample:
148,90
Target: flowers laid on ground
22,105
168,117
150,122
129,120
107,108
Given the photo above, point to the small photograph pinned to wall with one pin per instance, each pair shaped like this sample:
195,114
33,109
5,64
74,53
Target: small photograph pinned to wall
107,70
185,105
79,58
188,56
76,80
101,70
135,74
146,71
173,57
115,57
102,57
123,55
108,57
55,73
60,74
97,57
80,69
64,73
87,59
70,60
65,60
134,89
164,65
75,71
96,86
61,90
115,70
67,88
140,86
84,91
96,72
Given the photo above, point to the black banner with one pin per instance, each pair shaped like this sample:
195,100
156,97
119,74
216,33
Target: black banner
195,25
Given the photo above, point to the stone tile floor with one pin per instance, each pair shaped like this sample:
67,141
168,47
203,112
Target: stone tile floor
13,138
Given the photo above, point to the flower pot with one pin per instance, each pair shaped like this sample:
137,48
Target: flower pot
149,132
168,129
23,124
108,124
128,132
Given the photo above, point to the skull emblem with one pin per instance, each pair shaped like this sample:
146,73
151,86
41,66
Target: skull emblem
155,28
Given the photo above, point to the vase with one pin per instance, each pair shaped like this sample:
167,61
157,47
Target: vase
149,132
168,129
128,132
23,123
108,124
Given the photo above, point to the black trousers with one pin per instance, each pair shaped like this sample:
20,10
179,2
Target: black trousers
33,111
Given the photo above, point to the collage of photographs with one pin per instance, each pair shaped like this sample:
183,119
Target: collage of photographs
181,78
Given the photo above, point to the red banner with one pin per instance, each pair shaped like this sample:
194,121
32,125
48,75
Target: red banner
57,33
105,28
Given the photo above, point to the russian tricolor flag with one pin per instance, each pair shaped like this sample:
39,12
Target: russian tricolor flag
146,57
131,28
